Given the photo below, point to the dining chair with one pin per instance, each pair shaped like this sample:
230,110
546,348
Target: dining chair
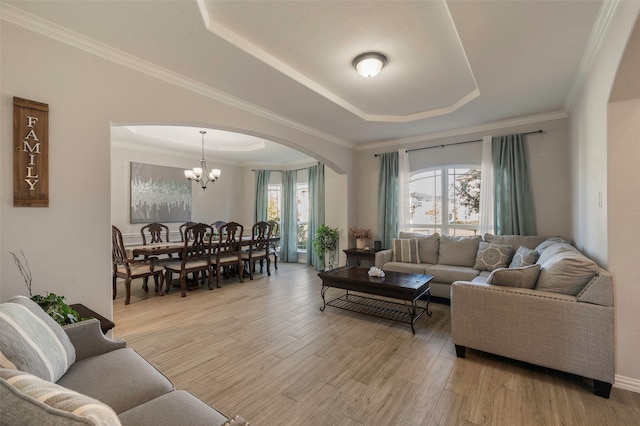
183,227
275,245
229,250
153,233
258,248
195,257
128,268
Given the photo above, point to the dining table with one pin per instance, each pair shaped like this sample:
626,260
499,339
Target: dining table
170,247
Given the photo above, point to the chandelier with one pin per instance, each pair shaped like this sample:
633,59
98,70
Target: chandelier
200,174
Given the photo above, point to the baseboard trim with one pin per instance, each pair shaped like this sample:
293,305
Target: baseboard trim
627,383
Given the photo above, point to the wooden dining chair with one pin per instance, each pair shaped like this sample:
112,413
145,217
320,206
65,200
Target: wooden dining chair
128,268
229,250
258,248
275,245
195,257
183,227
154,233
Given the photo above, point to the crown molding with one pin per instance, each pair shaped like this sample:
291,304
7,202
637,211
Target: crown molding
46,28
166,151
598,33
487,127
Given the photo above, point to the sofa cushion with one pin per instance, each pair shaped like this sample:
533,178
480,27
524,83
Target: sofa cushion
410,268
31,341
528,241
524,257
428,245
524,277
174,408
458,251
121,379
492,256
564,269
448,274
550,241
405,250
27,399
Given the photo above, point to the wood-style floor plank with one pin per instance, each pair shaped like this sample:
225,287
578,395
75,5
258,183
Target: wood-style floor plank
264,350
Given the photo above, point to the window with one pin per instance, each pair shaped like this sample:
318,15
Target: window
458,213
274,210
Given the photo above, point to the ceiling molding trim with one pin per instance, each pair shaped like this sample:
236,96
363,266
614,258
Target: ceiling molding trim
598,33
487,127
31,22
169,152
247,46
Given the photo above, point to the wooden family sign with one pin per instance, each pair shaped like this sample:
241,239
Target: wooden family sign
30,153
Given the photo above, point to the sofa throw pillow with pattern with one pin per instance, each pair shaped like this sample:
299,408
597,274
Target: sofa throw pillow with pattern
405,250
28,399
523,257
515,277
493,256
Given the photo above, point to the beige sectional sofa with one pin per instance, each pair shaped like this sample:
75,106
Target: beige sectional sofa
74,375
548,305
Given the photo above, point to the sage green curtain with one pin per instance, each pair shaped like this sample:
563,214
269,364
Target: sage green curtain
316,211
514,213
262,195
388,193
289,225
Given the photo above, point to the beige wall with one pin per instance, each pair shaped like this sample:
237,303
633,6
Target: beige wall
86,94
605,158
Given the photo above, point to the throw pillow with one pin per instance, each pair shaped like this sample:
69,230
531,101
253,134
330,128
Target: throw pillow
492,256
523,257
428,245
525,277
564,269
31,341
458,251
28,399
405,250
550,241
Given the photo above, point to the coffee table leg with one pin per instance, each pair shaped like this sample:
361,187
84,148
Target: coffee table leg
323,290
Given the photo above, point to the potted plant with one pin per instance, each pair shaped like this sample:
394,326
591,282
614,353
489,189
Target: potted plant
325,243
52,304
362,235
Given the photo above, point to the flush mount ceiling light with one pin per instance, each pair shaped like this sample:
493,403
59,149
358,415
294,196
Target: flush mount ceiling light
200,174
369,64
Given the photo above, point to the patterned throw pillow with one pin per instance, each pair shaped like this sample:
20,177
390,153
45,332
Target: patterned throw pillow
31,341
524,257
27,399
492,256
405,250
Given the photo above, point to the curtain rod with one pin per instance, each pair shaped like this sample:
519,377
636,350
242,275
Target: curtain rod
460,143
288,170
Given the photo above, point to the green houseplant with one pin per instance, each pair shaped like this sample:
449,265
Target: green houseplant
325,243
53,304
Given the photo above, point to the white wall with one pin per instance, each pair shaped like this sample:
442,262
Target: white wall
605,161
217,202
68,244
548,158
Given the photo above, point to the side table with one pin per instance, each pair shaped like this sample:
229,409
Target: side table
356,256
84,312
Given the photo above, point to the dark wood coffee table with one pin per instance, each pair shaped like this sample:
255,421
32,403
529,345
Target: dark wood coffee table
395,285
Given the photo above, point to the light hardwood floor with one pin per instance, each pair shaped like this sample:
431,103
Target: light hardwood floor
263,349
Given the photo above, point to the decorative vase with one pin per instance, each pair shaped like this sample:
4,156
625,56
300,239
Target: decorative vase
361,243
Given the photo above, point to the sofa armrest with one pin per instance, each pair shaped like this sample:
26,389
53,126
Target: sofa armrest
382,257
88,340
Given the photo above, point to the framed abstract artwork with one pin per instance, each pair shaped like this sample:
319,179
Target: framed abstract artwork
159,194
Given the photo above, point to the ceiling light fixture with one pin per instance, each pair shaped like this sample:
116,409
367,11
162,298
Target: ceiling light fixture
369,64
200,174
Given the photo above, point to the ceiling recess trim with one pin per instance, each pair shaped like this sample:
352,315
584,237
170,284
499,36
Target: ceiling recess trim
46,28
247,46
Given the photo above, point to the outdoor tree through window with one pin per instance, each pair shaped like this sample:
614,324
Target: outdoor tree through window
457,213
